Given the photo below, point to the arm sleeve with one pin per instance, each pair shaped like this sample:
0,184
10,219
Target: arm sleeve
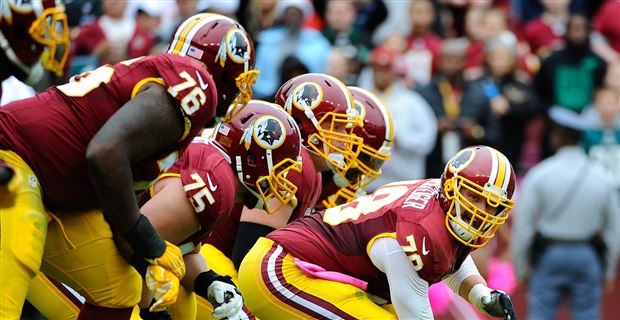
454,280
408,292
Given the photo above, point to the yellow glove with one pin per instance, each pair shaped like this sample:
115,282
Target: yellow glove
163,285
171,260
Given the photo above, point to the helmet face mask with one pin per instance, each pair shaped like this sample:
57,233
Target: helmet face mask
227,51
323,108
262,144
335,141
478,184
377,134
51,31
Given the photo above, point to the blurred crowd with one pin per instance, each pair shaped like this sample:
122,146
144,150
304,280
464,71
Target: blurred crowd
453,73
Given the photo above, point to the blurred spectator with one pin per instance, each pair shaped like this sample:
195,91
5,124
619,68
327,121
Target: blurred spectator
528,10
82,12
340,30
184,10
257,15
602,138
567,213
499,102
149,18
606,25
113,37
423,45
444,94
227,8
397,21
415,124
476,35
612,76
285,39
546,33
370,14
290,68
342,67
568,77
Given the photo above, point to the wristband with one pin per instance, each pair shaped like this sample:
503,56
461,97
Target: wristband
205,279
144,240
477,292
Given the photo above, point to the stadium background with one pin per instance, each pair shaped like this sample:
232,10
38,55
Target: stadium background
350,39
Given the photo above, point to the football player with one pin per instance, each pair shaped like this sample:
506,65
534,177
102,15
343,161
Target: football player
249,157
87,145
377,135
34,37
388,246
323,108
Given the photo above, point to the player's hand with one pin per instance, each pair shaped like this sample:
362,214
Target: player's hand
226,299
171,260
498,304
163,285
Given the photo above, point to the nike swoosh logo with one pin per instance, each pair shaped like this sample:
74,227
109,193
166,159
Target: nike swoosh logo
203,85
424,251
211,186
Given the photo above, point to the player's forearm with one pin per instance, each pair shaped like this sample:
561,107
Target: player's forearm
194,265
110,173
111,177
469,283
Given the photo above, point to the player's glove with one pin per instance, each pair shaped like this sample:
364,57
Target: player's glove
171,260
498,304
163,285
495,303
222,294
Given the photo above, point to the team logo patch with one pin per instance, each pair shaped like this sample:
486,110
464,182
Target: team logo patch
235,46
461,160
269,132
307,95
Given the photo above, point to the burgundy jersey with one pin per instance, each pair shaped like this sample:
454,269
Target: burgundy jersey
209,183
52,130
339,239
308,184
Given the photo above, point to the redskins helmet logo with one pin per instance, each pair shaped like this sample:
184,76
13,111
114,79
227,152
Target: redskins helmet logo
359,109
307,95
235,46
269,132
461,160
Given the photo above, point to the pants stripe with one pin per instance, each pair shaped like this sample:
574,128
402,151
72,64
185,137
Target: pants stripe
275,281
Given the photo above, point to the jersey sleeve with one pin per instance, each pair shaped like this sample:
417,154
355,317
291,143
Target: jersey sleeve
191,85
418,245
209,185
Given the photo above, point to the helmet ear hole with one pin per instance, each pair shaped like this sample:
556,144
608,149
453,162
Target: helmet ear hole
251,159
448,188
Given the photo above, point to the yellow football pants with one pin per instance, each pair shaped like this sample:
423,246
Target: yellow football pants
275,288
54,303
23,228
81,253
